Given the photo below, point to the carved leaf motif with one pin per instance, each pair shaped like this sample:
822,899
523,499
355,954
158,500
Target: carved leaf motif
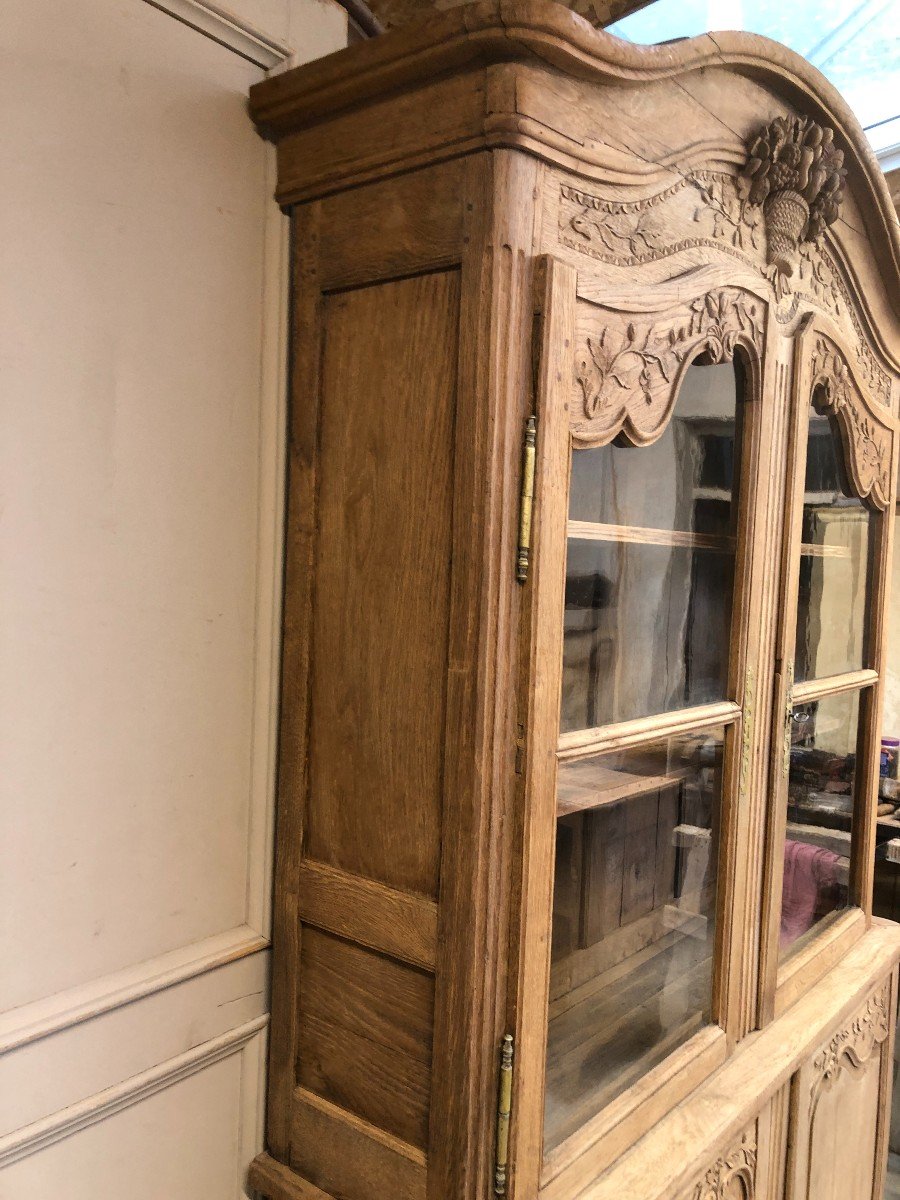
628,375
733,1175
708,210
869,442
855,1043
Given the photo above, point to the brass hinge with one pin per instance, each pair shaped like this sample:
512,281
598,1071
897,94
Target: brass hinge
526,500
504,1106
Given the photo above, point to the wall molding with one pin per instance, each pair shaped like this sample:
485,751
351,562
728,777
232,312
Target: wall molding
19,1026
228,30
40,1134
270,501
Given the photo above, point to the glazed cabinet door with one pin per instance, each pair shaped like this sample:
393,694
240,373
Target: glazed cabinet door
825,829
638,728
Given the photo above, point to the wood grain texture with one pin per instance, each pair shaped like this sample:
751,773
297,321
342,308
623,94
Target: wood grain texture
293,761
401,924
541,678
471,1015
420,224
364,1034
382,566
275,1181
346,1156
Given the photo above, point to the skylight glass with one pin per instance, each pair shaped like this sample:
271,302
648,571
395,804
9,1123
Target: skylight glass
855,45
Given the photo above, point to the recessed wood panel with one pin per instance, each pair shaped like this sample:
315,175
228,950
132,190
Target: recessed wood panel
348,1158
382,580
365,1032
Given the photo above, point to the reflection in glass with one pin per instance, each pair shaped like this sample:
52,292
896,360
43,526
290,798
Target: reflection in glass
834,562
633,918
650,568
820,814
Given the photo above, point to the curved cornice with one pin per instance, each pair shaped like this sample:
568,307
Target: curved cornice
539,31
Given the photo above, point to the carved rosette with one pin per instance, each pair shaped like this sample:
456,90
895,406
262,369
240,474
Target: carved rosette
796,174
866,441
855,1044
733,1176
628,368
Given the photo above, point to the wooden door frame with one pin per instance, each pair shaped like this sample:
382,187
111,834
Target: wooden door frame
782,982
626,1118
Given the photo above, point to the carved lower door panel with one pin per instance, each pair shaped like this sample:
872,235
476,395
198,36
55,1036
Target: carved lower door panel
733,1176
753,1166
840,1107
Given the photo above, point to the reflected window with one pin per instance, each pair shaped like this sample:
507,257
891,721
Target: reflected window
834,562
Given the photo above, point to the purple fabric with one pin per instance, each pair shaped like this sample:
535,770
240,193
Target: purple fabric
809,872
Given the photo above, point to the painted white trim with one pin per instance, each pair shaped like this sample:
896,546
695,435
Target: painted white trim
889,158
228,30
271,451
19,1026
41,1134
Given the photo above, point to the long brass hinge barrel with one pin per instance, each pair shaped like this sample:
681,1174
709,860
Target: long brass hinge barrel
526,500
504,1107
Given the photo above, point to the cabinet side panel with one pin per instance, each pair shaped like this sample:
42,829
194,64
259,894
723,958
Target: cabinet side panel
365,1030
382,580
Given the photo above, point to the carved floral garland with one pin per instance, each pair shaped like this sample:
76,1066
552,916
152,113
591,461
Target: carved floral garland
792,164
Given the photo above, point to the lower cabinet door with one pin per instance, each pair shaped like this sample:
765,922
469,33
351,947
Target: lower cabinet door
840,1107
753,1167
734,1175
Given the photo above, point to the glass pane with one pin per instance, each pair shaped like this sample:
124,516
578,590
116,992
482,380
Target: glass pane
650,566
633,918
820,815
834,563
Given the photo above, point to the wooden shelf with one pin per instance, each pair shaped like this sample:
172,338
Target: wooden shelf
813,551
594,531
595,786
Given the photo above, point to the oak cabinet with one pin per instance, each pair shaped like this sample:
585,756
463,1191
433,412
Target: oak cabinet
591,479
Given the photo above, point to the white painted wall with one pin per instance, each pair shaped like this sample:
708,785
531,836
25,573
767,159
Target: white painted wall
142,295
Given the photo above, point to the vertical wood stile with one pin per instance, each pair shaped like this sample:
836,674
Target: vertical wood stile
540,683
293,762
480,730
872,699
783,606
741,858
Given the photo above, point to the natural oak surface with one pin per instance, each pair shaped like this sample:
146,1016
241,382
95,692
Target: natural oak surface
663,256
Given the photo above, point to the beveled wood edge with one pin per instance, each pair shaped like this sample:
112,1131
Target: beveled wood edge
797,973
708,1120
582,1156
883,1126
833,685
397,923
275,1181
584,743
538,30
388,1142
